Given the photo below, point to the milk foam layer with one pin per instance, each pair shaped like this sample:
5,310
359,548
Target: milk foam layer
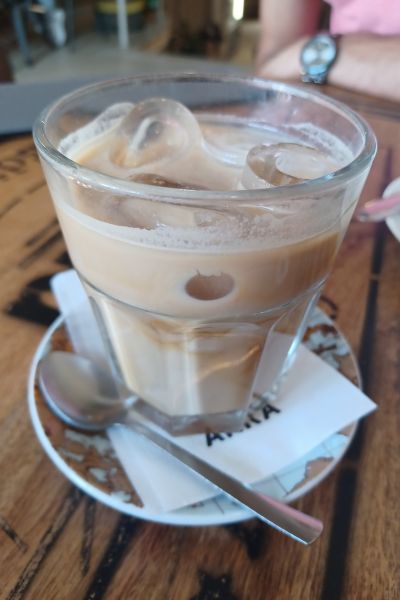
190,294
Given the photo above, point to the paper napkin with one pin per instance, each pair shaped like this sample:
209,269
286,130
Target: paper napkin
316,401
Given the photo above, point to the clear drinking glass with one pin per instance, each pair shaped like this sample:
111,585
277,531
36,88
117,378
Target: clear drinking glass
202,296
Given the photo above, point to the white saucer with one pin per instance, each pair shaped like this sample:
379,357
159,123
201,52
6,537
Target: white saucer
393,222
89,462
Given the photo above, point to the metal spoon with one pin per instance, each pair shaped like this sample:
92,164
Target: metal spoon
84,396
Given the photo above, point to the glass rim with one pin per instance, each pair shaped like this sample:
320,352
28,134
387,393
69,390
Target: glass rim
132,188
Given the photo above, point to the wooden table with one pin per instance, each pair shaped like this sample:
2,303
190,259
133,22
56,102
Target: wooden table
57,543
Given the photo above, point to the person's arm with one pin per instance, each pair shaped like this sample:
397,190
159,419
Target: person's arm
283,22
366,63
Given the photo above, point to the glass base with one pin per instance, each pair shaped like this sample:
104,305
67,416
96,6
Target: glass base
188,424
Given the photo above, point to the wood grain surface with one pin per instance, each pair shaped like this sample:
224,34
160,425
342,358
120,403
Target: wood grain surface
56,543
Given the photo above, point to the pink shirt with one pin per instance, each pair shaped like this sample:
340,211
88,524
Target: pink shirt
372,16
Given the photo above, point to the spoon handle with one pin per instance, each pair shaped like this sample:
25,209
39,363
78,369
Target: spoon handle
380,209
284,518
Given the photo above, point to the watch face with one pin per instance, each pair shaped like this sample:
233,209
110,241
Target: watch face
318,54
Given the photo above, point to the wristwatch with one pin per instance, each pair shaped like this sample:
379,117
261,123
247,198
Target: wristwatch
317,57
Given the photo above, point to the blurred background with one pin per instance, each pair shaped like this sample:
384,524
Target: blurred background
50,40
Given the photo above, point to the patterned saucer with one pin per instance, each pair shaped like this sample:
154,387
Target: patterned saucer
393,222
88,459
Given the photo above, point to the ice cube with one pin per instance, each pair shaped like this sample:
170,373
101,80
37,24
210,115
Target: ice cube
159,180
105,121
156,129
229,145
284,164
250,181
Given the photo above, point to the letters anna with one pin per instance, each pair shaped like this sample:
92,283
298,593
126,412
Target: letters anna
253,418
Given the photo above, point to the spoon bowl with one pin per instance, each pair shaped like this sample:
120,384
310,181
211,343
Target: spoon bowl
81,394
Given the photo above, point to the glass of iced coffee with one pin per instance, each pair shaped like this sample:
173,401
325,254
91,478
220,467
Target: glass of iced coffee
203,215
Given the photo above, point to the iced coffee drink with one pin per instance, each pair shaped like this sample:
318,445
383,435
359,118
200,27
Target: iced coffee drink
202,244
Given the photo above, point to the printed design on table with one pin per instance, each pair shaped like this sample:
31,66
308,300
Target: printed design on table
215,587
35,303
92,459
17,163
252,537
